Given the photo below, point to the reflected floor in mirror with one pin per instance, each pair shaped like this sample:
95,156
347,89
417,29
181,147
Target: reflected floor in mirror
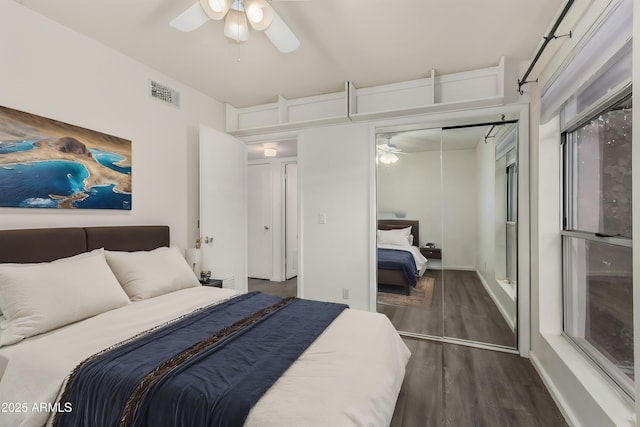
469,311
419,319
288,288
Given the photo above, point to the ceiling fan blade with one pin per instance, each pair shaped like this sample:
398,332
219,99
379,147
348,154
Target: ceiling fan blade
190,19
281,35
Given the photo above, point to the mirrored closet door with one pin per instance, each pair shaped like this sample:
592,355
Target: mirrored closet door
479,250
409,199
447,197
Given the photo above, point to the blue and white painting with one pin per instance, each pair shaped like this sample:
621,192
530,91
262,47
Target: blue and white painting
45,163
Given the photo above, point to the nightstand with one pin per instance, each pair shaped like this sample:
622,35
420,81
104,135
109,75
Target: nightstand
431,253
213,282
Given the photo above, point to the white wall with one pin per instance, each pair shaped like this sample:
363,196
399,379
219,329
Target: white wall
413,186
442,198
490,202
335,180
486,217
54,72
459,209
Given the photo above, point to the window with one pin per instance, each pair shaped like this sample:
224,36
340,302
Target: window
512,193
596,240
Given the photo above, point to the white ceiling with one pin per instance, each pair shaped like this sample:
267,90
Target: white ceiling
368,42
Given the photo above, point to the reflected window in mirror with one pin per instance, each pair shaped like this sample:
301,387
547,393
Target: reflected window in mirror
507,209
512,193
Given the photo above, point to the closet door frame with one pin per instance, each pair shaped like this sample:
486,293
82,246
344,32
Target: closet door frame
519,111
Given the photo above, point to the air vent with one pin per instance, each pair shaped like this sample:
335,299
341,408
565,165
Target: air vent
163,93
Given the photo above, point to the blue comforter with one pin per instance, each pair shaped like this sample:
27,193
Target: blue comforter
391,259
207,369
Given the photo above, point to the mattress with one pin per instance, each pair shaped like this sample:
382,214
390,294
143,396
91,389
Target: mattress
350,375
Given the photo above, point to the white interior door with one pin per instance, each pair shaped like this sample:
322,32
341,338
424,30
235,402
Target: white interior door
291,220
223,213
260,224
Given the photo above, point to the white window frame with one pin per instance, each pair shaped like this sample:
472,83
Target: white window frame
573,306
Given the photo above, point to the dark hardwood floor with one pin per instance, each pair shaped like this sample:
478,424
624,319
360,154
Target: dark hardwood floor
470,313
288,288
451,385
461,309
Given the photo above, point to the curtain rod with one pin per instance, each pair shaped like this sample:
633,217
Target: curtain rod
503,122
488,135
547,39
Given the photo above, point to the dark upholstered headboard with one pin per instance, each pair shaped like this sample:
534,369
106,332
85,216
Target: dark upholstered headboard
132,238
48,244
392,224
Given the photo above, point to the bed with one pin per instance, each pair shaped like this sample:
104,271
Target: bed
350,374
400,266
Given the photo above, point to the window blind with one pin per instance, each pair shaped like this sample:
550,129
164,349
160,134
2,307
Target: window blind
600,65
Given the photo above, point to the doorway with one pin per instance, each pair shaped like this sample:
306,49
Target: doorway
272,222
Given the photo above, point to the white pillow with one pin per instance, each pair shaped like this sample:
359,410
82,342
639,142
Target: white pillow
403,231
394,237
147,274
37,298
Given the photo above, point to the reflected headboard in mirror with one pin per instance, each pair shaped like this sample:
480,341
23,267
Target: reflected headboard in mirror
393,224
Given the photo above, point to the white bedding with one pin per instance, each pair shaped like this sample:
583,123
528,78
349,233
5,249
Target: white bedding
421,261
350,375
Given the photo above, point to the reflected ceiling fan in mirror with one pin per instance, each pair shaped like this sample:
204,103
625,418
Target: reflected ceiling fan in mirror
238,15
387,152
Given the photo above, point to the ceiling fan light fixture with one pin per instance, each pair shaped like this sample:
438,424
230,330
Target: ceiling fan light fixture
235,26
259,13
216,6
215,9
388,158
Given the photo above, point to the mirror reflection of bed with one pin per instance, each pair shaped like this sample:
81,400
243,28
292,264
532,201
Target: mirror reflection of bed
400,263
417,303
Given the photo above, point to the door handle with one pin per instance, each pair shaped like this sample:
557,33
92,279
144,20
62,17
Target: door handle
266,227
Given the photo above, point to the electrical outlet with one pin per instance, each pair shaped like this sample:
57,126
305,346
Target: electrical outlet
345,293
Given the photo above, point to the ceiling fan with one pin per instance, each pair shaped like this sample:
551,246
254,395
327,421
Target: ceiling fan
236,14
387,151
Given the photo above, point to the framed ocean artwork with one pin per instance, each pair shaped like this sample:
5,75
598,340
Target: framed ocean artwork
45,163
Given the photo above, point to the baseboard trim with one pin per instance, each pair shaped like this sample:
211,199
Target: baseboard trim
447,267
561,403
501,309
